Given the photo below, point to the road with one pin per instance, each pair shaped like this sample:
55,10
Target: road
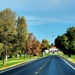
51,65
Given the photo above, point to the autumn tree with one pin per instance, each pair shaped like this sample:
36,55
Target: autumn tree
33,45
30,44
37,46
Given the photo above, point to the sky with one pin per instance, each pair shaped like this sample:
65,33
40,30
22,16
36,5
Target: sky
46,19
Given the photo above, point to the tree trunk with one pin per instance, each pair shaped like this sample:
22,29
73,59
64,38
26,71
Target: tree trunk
30,55
24,55
16,56
3,59
6,58
69,55
41,54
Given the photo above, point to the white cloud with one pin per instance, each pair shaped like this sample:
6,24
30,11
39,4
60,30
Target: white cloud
33,20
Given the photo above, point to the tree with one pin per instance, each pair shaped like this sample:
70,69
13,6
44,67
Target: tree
1,50
22,33
31,38
58,42
62,43
33,45
7,26
66,42
37,49
44,45
70,33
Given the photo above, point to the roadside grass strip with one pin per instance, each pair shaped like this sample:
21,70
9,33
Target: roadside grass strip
15,66
68,64
11,62
72,60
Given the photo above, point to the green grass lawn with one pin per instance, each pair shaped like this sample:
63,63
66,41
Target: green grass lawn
13,61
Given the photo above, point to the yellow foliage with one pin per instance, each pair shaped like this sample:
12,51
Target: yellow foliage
1,45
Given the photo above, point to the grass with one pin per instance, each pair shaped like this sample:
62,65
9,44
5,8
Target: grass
13,61
72,58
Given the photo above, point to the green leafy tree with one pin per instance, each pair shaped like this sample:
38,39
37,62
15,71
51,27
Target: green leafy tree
44,45
66,42
70,33
22,33
7,29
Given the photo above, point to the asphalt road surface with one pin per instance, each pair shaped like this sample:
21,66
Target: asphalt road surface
51,65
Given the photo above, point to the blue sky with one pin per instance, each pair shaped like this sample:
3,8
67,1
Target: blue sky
45,18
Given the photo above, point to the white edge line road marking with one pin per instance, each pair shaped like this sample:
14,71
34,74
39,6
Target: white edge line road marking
68,64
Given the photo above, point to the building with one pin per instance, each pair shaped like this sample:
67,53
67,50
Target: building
53,50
